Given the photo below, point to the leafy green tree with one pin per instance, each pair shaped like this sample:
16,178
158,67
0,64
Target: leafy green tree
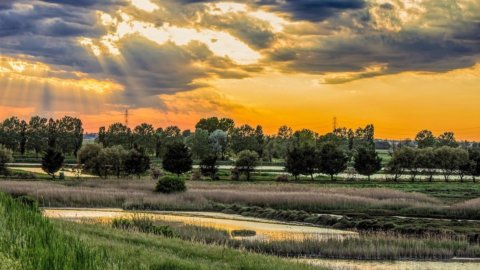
426,158
449,159
177,159
52,133
208,166
118,134
137,162
332,159
10,133
200,144
366,161
213,123
247,138
407,158
112,159
69,135
52,162
365,137
311,161
219,142
144,137
474,156
425,138
295,163
246,162
302,138
5,157
88,157
447,139
37,134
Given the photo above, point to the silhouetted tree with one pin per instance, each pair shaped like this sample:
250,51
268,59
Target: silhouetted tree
177,158
208,166
366,161
332,159
52,161
246,162
425,139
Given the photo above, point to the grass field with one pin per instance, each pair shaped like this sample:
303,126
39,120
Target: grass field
30,241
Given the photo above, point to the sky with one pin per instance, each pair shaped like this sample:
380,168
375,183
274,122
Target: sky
403,66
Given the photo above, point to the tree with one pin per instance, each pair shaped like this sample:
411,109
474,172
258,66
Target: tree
52,133
200,144
168,184
407,158
144,137
474,156
5,157
37,134
246,162
10,133
118,134
449,159
88,157
52,161
208,166
425,139
332,159
294,163
213,123
69,135
137,162
218,142
426,158
112,159
311,161
247,138
447,139
367,162
177,158
365,137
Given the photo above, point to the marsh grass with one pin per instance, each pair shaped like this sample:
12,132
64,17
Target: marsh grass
29,241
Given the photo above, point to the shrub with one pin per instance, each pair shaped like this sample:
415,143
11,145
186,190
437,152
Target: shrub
282,178
52,161
156,173
169,184
196,175
5,157
243,233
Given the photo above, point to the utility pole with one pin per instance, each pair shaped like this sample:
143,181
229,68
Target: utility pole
126,117
334,123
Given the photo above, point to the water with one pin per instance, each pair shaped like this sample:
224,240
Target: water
394,265
265,229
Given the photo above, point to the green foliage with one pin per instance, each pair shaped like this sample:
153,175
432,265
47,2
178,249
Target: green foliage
367,162
69,135
52,161
449,159
332,159
88,156
5,157
136,162
177,159
169,184
246,162
113,160
118,134
199,144
447,139
425,138
213,123
208,166
144,137
246,137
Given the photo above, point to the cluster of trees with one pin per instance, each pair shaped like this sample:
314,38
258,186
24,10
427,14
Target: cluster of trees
114,160
40,134
429,160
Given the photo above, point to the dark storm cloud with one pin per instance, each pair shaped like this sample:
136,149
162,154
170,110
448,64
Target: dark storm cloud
313,10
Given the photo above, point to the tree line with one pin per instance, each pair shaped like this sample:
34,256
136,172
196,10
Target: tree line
40,134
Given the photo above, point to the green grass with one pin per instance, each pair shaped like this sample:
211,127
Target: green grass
29,241
146,251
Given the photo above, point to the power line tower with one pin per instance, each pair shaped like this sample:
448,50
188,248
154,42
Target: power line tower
126,117
334,123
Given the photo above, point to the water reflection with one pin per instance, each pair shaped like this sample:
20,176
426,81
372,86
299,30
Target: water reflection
265,229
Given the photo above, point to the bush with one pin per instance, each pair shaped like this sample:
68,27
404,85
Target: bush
282,178
170,184
5,157
156,173
196,175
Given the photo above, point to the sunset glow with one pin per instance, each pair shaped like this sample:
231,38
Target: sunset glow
400,65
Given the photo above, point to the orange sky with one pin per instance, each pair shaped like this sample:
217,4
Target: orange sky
412,65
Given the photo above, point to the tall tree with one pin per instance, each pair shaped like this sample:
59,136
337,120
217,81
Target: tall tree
37,134
447,139
246,138
425,138
366,161
52,161
332,159
295,163
246,162
177,159
199,144
219,142
118,134
10,133
144,137
70,134
449,159
137,162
